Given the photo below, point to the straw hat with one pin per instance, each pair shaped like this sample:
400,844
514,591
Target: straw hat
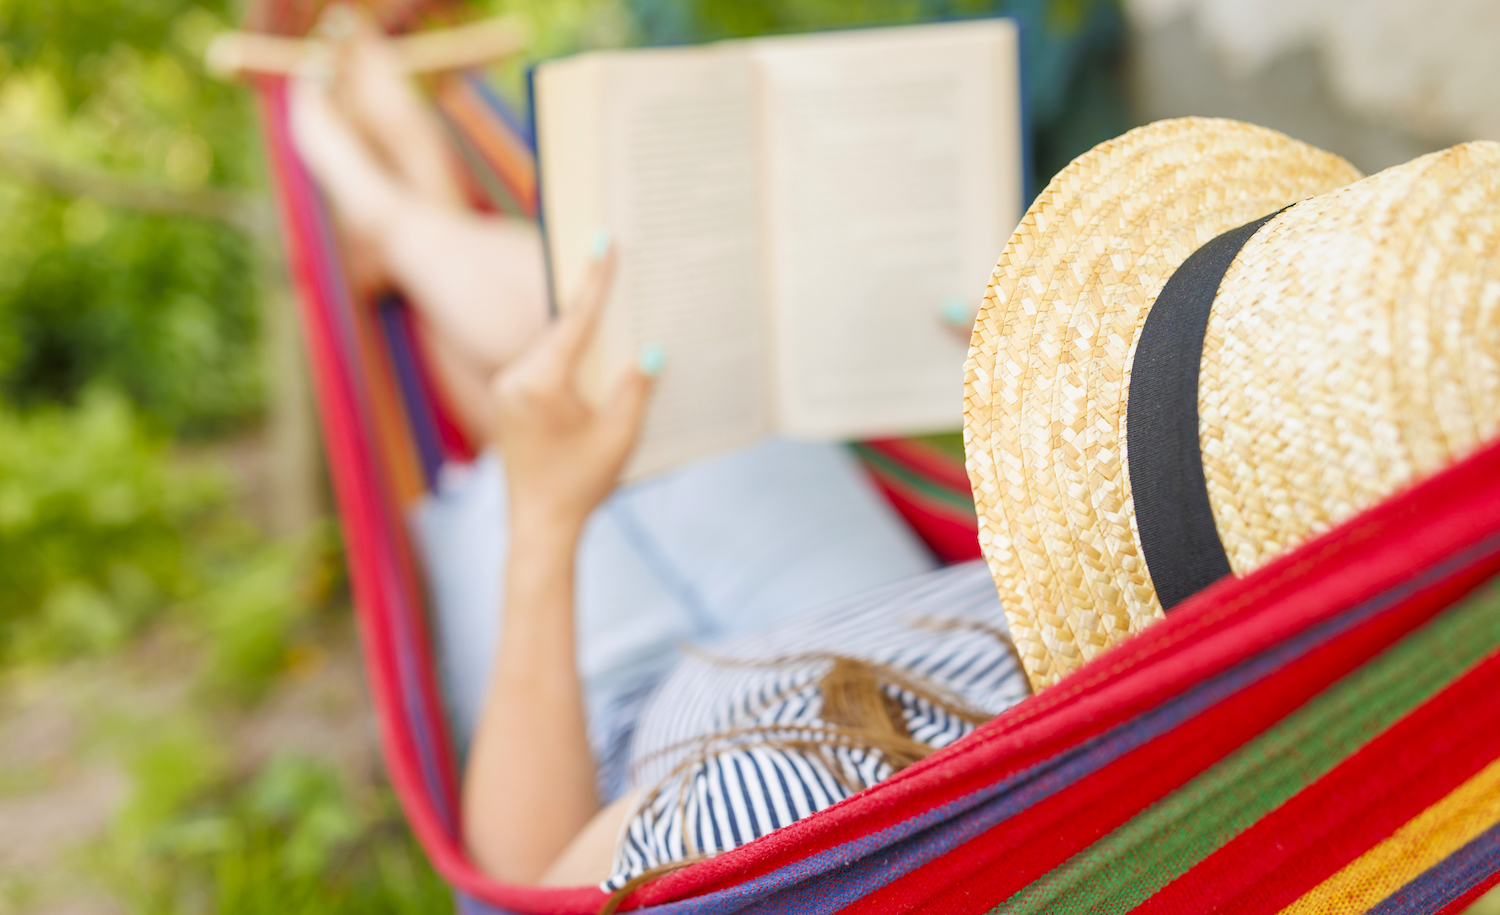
1353,345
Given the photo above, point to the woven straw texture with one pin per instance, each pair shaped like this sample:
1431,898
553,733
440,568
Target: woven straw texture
1354,346
1308,411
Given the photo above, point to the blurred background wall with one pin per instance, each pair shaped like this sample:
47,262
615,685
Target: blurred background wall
1377,81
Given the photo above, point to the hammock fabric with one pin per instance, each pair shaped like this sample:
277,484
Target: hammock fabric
1321,735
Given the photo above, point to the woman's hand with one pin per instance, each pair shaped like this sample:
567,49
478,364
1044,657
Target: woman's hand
529,783
562,454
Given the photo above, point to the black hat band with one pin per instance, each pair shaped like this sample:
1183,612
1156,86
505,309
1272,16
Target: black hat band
1179,540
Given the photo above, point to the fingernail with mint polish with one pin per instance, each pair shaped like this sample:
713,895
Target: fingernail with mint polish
957,312
600,245
652,359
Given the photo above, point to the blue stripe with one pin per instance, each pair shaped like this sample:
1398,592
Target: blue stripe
419,418
1447,880
468,905
501,107
835,878
765,792
728,804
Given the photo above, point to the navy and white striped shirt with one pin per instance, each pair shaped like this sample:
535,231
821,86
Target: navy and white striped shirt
945,626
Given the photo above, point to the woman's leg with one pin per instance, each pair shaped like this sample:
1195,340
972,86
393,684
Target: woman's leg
463,378
721,547
477,281
385,107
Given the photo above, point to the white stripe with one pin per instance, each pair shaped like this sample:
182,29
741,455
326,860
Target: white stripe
754,789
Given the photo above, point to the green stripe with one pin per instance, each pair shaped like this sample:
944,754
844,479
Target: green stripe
884,464
1164,841
949,443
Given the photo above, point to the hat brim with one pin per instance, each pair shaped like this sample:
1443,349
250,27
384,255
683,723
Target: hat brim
1047,378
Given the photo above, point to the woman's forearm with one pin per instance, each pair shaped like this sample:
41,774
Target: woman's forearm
529,782
529,787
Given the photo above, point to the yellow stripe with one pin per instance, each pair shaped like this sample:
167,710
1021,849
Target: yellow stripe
1436,833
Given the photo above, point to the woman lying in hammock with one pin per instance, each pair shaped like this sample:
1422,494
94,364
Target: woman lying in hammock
599,747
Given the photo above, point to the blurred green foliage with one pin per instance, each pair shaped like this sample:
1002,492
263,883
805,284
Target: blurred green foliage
163,308
122,333
261,602
160,308
104,530
293,838
94,523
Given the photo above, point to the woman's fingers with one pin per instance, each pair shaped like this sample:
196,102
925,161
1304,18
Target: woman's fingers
627,408
548,370
575,328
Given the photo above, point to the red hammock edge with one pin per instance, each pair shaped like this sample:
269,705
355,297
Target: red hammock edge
1361,558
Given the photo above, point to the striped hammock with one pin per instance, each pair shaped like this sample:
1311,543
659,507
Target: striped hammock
1320,736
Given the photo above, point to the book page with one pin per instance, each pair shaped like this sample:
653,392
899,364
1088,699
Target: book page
893,173
569,123
676,191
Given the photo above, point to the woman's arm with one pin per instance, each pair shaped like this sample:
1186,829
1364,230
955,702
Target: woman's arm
529,782
530,777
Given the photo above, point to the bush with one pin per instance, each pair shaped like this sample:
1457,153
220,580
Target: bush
93,525
290,839
103,529
258,607
160,308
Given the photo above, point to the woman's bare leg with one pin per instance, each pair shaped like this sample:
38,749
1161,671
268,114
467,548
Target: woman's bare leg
477,281
464,380
384,106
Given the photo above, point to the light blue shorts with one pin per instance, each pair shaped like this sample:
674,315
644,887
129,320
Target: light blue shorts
715,549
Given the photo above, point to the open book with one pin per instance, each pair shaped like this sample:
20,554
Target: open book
792,216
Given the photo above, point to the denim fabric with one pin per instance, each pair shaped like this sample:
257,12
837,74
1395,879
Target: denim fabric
714,549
